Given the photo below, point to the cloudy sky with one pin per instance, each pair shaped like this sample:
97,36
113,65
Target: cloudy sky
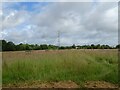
78,22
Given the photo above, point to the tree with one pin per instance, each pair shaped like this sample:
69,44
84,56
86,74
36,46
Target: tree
62,47
21,47
44,47
118,46
36,47
92,46
10,46
4,45
73,46
52,47
98,46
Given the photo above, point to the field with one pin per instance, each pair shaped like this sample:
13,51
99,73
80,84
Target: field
22,68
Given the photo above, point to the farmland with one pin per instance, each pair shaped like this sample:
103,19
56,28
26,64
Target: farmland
76,66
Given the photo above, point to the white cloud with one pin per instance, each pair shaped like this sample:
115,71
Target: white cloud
14,18
78,23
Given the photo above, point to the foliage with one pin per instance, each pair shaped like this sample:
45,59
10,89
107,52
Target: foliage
10,46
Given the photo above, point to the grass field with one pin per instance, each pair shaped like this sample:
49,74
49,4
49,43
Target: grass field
75,65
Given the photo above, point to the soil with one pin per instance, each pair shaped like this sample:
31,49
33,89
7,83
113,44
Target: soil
99,84
62,84
39,84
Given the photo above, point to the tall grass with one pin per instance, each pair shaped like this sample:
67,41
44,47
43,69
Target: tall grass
75,65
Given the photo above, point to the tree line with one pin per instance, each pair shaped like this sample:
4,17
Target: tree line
10,46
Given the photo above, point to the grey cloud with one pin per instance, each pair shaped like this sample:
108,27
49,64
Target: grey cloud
14,18
78,23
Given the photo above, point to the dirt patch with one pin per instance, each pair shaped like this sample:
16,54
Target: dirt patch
38,84
99,84
61,84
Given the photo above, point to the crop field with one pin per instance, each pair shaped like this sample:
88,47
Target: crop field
20,68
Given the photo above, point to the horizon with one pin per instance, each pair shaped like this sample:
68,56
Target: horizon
79,23
61,45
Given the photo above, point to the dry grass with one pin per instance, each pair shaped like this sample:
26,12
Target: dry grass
64,65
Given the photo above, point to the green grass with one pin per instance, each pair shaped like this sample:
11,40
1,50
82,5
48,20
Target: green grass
74,65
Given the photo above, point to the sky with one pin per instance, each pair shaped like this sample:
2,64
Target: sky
78,23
